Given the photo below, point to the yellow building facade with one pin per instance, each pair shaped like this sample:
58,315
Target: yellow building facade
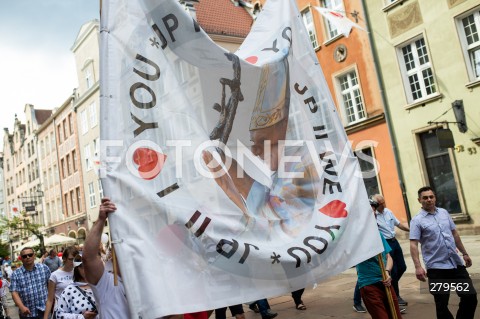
428,54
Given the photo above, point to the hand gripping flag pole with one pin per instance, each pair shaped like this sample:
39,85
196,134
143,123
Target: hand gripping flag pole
387,289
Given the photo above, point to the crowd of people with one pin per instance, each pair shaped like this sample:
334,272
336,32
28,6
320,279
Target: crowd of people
81,285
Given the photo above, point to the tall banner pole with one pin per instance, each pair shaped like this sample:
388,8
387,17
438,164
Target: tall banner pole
387,289
114,256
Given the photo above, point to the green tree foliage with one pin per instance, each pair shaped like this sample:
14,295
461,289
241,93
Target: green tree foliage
23,224
4,249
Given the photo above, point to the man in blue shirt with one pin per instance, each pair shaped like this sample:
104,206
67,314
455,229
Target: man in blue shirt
29,286
386,222
434,229
51,260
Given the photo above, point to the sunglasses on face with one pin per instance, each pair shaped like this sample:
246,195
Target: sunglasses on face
27,255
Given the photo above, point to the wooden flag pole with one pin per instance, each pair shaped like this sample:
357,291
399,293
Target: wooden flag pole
115,267
393,311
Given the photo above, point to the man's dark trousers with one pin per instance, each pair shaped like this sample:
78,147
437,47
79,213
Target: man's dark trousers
468,300
399,265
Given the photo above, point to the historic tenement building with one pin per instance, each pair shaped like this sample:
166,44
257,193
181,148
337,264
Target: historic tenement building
428,55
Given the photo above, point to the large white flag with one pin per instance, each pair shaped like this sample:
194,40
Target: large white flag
281,204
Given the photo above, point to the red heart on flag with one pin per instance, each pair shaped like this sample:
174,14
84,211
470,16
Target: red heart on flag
150,162
335,209
252,59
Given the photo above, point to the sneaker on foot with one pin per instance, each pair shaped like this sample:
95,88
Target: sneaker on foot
359,308
402,302
403,310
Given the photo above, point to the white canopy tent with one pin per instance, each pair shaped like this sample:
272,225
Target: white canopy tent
53,240
56,239
31,243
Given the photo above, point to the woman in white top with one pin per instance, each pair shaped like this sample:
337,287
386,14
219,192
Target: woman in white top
59,280
77,300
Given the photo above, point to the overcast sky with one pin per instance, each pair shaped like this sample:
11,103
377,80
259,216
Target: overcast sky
36,64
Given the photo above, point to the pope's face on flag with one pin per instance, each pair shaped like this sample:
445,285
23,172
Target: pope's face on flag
273,134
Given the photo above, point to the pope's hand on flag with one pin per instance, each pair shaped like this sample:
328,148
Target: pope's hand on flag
223,179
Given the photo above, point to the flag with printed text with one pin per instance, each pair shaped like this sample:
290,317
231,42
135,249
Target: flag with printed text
231,171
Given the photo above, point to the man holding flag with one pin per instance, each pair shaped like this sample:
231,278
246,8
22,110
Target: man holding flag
375,283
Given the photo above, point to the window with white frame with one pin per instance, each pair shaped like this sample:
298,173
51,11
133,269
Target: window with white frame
92,110
88,157
59,208
60,133
84,119
49,213
96,147
310,26
417,70
73,202
100,188
45,179
91,195
88,78
65,200
50,177
79,199
74,160
70,123
468,27
55,171
368,167
351,96
42,149
336,5
52,141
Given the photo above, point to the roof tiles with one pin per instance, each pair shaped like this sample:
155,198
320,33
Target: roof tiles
42,115
222,17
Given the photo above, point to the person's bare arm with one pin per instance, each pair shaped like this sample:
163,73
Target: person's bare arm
461,248
388,267
50,299
234,187
92,263
404,226
419,271
18,302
